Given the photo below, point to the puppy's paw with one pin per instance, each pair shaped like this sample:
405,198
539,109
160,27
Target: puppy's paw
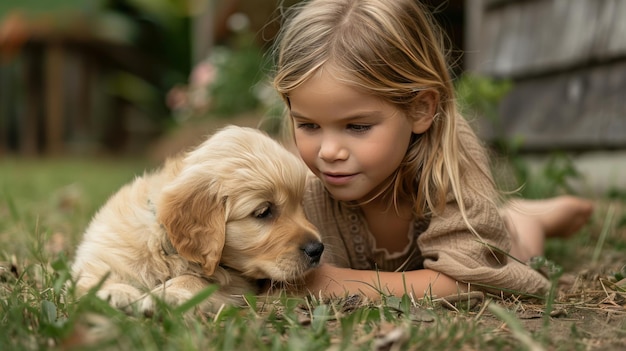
121,296
176,292
172,296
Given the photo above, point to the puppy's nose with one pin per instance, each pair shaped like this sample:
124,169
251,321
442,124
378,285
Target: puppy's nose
313,249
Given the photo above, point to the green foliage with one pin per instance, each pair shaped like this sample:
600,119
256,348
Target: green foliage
241,69
481,95
616,194
36,7
553,177
553,272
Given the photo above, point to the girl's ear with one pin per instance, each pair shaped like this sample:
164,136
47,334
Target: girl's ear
424,111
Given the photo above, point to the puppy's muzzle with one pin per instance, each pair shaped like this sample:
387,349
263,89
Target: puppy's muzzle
313,250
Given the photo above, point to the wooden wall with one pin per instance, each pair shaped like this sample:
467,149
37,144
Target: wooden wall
567,59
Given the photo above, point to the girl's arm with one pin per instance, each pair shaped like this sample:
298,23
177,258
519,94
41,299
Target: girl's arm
328,281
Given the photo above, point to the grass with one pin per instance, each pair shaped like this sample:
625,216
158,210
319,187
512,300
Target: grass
46,204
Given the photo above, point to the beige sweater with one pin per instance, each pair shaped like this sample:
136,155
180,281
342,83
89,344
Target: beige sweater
443,243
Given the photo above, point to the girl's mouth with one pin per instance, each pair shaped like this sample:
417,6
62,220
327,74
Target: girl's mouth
337,179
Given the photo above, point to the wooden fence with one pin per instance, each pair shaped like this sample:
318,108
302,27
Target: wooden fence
567,59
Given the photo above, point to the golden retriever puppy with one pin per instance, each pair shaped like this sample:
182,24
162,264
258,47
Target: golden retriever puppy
228,213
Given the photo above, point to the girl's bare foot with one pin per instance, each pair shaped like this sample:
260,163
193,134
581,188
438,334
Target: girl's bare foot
560,216
531,221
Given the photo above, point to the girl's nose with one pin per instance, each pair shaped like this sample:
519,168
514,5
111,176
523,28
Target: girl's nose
331,149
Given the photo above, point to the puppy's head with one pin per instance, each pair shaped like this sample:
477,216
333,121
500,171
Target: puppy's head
236,201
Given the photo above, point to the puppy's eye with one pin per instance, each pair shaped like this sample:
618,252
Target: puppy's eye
263,212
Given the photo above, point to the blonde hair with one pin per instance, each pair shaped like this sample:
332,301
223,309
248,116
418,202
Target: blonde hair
393,50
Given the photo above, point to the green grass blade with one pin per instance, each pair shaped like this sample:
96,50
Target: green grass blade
603,234
196,299
15,215
516,327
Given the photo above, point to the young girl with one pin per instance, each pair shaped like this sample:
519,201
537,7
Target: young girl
403,194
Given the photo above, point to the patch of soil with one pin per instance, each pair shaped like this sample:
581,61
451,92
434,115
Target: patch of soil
594,326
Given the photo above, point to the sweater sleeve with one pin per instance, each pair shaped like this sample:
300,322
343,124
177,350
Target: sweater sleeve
449,247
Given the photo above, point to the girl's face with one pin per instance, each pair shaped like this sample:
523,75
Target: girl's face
351,140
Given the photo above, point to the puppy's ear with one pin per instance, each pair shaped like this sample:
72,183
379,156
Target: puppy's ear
195,221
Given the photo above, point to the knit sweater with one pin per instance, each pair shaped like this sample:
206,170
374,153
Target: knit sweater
442,243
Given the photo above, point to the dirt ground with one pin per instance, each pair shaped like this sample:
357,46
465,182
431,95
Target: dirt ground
592,326
589,312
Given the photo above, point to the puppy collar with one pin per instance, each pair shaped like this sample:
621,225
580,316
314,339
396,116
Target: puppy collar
166,244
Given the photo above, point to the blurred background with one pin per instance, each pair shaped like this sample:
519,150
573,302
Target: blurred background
91,77
542,80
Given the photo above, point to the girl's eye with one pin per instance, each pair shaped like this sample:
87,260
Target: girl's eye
359,128
307,126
